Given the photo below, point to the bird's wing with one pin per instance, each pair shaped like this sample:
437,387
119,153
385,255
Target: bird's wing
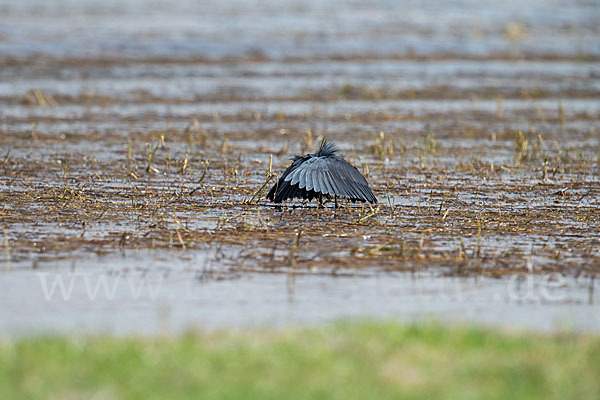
277,187
332,176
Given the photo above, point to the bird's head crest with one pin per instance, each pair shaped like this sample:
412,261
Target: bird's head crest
326,149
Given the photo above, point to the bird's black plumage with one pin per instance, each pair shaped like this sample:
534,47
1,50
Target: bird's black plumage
321,174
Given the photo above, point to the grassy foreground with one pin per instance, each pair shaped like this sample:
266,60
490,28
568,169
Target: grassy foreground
343,361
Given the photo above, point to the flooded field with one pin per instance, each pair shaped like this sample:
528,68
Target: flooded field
138,140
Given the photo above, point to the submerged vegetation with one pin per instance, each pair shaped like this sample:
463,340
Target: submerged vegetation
486,157
126,129
464,195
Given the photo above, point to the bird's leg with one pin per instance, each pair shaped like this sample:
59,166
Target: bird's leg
335,199
320,200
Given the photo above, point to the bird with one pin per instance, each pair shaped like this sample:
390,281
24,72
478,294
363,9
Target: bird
319,175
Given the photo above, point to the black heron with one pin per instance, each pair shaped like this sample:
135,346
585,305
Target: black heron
320,175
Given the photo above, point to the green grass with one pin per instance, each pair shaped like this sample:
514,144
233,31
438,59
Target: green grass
343,361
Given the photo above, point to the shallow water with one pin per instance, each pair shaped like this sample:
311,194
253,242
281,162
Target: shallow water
145,293
88,89
313,28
